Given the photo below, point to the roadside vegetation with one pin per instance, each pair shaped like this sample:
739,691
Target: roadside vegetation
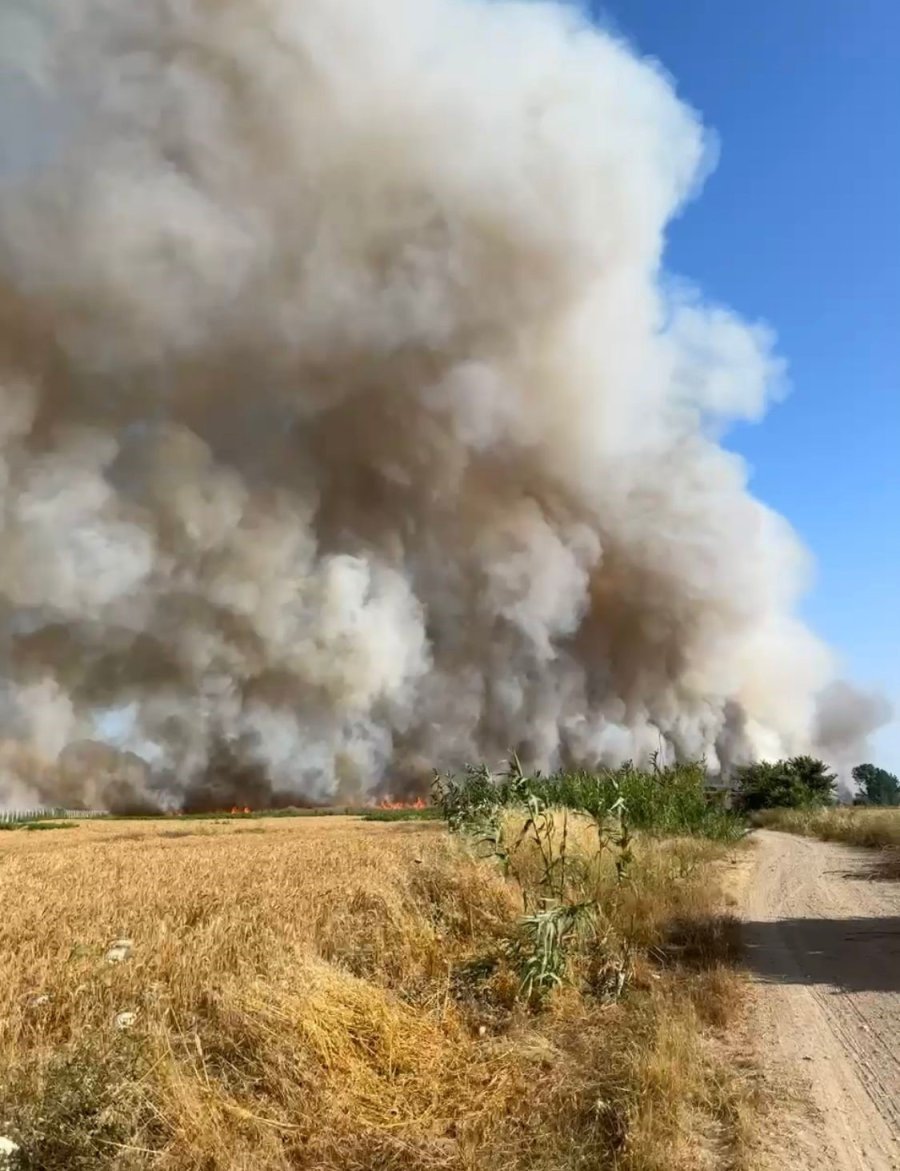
876,786
799,796
661,801
856,826
805,783
548,987
802,782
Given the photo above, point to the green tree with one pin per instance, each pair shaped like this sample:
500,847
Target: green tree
813,776
877,785
786,784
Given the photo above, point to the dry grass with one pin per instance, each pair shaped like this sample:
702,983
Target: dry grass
332,994
857,826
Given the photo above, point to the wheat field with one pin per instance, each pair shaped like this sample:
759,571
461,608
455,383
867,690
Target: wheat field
326,994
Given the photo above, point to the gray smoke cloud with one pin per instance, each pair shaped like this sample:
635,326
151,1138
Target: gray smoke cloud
348,426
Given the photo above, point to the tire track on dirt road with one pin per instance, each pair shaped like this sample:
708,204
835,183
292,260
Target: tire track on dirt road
822,942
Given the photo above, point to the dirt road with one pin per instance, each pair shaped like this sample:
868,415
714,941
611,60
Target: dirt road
823,945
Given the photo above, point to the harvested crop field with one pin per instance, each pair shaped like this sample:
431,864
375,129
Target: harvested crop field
332,993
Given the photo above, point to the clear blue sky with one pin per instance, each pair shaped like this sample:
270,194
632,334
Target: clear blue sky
800,225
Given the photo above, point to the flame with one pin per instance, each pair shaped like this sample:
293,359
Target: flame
417,804
237,810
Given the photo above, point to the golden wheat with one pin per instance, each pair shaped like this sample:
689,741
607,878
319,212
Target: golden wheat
327,993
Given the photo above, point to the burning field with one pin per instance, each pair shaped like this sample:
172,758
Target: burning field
332,994
351,428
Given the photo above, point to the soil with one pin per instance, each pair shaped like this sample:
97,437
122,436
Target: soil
822,936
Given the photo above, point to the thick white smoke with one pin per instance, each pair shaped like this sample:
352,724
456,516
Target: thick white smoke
348,426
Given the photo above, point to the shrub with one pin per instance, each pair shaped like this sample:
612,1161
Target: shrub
672,800
797,783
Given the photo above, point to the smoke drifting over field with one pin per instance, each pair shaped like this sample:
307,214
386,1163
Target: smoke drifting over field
348,425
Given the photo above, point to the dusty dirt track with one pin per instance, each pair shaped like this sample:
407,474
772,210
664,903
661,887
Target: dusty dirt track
823,945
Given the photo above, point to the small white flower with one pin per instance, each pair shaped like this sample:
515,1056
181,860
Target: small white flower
119,951
9,1152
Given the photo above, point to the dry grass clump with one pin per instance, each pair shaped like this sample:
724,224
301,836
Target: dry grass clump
877,828
336,994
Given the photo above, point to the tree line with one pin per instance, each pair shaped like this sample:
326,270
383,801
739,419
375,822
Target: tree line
804,781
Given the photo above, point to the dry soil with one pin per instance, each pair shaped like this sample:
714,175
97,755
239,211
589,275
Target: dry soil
823,943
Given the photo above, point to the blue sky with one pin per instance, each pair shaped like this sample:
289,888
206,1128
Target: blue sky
799,225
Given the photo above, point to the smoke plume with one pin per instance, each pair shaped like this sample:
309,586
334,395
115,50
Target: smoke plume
348,425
